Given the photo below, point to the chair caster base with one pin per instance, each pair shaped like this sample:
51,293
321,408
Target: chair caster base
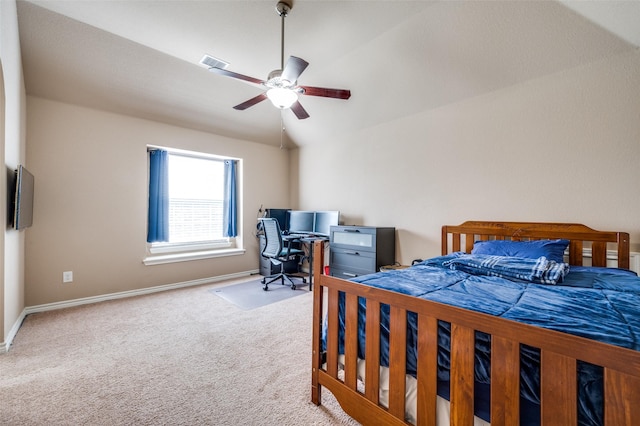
284,280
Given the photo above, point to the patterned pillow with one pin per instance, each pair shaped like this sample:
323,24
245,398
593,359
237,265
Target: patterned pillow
540,270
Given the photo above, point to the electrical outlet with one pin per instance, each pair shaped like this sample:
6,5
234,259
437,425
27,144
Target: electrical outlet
67,276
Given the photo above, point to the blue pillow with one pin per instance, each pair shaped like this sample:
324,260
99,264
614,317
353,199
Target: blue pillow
551,249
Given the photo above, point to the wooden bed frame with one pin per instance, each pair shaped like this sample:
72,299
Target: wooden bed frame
559,351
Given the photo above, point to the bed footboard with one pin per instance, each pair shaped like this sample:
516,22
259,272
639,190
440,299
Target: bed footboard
559,355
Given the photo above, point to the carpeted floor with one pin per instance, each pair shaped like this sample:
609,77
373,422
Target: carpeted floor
250,294
181,357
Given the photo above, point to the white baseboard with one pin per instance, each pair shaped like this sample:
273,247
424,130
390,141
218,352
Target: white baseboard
4,346
612,259
634,262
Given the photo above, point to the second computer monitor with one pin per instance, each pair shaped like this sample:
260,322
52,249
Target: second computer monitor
312,222
324,221
301,221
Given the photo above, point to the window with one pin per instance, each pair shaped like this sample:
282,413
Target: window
195,199
192,206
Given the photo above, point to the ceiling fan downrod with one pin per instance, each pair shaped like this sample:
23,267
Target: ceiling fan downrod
282,9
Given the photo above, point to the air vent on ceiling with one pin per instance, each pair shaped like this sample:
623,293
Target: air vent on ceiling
211,62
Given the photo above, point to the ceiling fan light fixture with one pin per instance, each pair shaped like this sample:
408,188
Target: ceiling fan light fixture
282,98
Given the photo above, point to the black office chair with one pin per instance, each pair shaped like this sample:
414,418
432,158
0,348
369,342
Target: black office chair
277,253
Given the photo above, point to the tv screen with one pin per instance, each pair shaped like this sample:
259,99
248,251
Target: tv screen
324,221
301,221
23,201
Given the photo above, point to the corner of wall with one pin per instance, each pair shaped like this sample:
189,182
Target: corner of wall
12,152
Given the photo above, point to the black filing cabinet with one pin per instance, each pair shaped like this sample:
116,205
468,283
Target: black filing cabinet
265,264
360,250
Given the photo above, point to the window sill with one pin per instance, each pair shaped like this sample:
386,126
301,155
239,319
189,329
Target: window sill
186,257
171,248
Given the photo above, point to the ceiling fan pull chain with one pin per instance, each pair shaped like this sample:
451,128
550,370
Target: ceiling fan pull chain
281,130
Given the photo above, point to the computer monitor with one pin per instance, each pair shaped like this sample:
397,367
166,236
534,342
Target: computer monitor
281,215
301,221
324,221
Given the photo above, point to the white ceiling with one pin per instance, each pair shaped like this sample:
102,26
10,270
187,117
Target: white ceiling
398,58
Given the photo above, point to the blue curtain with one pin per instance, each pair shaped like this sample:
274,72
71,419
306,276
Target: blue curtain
230,203
158,223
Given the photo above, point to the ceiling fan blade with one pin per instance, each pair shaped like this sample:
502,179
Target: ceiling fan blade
293,68
235,75
299,111
251,102
326,93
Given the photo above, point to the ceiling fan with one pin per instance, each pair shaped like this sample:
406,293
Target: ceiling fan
281,85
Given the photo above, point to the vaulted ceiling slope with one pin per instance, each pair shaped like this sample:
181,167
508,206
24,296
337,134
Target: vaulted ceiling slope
398,58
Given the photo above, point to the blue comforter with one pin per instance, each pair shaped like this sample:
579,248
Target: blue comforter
597,303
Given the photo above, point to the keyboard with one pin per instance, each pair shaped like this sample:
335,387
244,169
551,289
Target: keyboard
297,235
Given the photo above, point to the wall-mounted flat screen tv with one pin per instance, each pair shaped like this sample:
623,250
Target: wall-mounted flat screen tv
23,200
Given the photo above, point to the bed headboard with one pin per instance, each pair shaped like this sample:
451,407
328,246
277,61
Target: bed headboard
461,238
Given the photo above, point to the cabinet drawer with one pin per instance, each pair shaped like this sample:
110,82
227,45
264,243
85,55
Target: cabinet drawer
353,260
353,237
347,274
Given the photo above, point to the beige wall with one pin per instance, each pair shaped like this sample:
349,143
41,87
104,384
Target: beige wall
12,153
562,148
91,201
